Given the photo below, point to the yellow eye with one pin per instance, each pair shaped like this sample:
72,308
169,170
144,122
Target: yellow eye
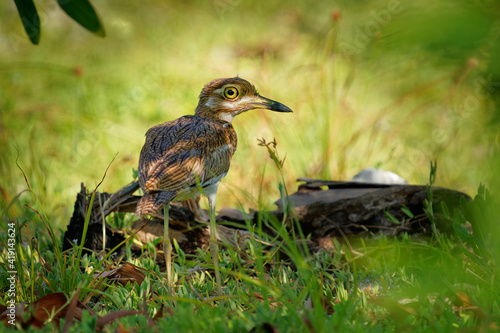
231,92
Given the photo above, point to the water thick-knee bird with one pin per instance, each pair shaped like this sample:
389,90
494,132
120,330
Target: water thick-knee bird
189,156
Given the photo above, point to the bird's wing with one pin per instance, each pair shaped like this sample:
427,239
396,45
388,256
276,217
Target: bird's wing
186,152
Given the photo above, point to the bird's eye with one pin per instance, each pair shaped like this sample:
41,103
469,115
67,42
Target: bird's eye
231,92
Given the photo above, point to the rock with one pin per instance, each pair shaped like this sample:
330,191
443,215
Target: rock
378,176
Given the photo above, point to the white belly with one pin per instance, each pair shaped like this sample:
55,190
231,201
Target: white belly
207,188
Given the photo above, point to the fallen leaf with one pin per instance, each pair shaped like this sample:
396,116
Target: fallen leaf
124,274
272,301
72,312
464,302
159,314
52,306
110,317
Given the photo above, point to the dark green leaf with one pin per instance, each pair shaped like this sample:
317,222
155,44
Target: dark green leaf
29,17
407,211
445,210
464,234
82,12
391,217
463,207
479,261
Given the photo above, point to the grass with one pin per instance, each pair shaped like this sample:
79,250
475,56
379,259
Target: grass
396,99
446,282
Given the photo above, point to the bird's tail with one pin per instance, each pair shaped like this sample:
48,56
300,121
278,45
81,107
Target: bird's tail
152,203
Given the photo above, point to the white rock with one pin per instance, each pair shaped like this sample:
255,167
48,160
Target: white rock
378,176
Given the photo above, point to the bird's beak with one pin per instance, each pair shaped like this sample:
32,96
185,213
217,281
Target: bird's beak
269,104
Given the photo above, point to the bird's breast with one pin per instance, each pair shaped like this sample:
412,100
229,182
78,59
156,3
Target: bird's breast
196,190
186,154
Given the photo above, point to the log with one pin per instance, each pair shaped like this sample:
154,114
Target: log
323,209
353,208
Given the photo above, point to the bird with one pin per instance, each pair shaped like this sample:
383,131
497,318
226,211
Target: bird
188,157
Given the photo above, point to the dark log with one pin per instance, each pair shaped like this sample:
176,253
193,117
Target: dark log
183,222
324,209
93,239
352,208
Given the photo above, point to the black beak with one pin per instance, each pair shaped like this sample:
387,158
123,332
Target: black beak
266,103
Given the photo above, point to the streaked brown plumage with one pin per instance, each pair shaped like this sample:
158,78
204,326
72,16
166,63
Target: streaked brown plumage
180,156
192,151
189,156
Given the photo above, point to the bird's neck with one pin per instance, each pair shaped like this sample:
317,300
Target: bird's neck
204,111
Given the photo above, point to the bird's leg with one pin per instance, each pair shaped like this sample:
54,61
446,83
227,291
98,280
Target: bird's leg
167,247
214,246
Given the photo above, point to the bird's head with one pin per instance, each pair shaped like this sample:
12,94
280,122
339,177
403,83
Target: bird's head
223,99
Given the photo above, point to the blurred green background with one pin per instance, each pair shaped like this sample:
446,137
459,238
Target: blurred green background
387,84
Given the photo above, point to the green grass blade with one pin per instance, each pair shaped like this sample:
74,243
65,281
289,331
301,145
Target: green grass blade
87,220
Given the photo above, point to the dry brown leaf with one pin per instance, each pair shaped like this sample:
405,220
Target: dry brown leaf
124,274
110,317
122,329
53,306
272,301
56,306
464,302
73,312
462,299
44,307
160,313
